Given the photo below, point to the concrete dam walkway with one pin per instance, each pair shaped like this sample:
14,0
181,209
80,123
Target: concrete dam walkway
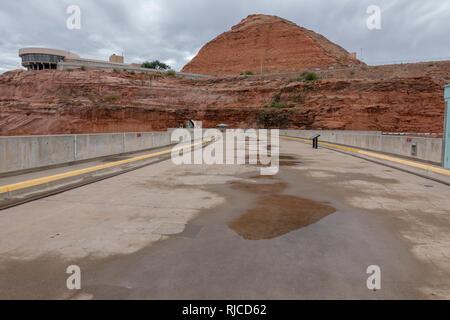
225,232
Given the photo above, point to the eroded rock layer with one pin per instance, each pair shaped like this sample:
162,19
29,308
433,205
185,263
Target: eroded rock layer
60,102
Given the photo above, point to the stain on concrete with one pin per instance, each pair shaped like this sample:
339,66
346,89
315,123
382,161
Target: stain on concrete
347,176
287,157
41,278
287,160
284,163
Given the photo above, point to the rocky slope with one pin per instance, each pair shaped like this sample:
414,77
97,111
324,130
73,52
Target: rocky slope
268,44
55,102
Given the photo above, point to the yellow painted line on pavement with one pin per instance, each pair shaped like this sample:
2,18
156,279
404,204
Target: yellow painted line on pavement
38,181
380,156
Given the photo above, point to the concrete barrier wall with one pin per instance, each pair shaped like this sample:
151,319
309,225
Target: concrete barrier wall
428,149
26,152
18,153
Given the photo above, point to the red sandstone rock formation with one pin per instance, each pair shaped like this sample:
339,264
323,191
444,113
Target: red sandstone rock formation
268,44
61,102
399,98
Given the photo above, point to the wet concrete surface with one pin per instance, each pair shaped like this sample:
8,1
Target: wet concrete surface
275,214
231,250
327,259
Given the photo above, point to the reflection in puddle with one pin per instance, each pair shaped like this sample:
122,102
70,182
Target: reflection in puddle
279,214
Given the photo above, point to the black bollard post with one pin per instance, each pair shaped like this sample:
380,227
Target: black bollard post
315,141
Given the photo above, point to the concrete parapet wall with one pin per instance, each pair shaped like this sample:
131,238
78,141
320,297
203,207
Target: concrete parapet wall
28,152
428,149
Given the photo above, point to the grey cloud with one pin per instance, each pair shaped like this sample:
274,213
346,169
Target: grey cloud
174,30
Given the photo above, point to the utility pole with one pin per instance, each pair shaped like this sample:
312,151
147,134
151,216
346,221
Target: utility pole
261,65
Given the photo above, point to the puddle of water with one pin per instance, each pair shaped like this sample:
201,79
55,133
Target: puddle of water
259,187
279,214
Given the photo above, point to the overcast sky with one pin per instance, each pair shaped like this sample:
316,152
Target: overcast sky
174,30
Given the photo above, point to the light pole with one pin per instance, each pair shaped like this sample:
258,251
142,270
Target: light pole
446,160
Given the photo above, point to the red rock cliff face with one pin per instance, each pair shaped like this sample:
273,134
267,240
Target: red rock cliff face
55,102
399,98
268,44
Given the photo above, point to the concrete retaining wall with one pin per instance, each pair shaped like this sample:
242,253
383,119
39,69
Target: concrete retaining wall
26,152
428,149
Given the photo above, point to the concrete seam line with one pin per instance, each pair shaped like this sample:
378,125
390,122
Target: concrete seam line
43,180
380,156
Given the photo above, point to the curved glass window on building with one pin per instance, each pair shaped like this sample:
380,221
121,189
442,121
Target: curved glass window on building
41,61
48,58
44,58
